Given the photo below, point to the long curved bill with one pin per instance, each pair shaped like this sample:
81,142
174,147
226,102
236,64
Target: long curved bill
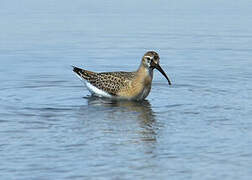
161,70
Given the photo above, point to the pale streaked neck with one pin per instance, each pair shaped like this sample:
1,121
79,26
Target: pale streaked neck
143,70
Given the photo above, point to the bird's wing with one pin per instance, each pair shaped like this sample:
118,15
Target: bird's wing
111,82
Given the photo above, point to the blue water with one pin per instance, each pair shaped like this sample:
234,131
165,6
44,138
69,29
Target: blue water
199,128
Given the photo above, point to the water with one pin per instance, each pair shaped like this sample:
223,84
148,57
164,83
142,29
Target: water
199,128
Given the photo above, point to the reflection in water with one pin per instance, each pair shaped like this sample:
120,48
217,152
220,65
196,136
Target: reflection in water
140,111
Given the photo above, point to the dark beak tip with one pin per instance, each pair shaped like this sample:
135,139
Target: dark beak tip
163,73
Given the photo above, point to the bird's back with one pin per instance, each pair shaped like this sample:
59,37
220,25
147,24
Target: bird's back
110,82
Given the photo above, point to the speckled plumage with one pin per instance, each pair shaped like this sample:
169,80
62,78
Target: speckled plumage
110,82
124,85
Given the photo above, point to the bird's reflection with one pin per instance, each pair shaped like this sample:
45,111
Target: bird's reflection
142,111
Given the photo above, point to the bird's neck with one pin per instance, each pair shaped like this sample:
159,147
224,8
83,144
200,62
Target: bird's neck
144,74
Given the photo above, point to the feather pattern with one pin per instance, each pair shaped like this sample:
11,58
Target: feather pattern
110,82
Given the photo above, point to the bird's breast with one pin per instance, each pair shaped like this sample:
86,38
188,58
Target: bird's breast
138,89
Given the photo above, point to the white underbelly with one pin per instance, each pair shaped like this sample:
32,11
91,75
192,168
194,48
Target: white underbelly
95,91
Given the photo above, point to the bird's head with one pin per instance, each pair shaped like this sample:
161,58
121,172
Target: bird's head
150,60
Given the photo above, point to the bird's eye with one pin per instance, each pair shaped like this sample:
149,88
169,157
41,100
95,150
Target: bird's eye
148,59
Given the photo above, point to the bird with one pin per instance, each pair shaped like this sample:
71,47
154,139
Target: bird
134,85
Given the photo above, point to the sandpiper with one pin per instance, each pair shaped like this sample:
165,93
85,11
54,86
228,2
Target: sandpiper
134,85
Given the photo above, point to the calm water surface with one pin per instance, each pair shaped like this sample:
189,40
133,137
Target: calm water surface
199,128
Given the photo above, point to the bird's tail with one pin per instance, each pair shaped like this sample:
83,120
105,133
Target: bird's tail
87,75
